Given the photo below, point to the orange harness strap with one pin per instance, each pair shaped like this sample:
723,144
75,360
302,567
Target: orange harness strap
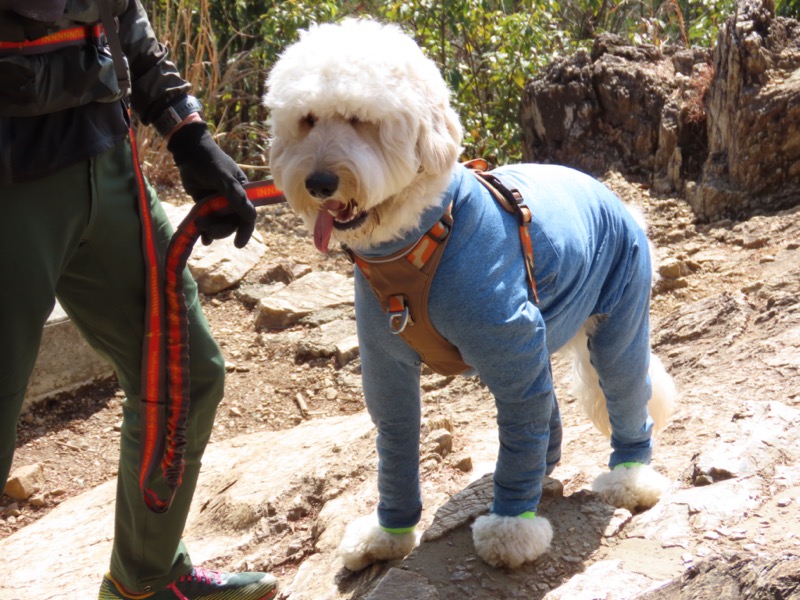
512,201
75,36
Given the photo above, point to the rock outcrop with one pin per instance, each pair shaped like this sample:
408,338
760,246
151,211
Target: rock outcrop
733,577
620,106
753,116
721,127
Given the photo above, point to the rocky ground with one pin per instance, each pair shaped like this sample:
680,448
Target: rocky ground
726,322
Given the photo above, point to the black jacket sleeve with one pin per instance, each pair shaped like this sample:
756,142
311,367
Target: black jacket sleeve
155,78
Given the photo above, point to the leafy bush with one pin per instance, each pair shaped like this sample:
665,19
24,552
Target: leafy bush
656,22
487,50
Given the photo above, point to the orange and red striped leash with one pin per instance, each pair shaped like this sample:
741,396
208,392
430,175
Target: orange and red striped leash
74,36
166,401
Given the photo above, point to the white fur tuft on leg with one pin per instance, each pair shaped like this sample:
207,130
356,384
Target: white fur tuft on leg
634,487
365,542
511,541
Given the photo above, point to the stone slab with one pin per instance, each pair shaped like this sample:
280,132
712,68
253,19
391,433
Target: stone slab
65,362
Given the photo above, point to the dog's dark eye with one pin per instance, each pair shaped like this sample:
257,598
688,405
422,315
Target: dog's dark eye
309,120
354,121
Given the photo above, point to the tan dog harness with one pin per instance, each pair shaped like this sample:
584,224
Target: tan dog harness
402,281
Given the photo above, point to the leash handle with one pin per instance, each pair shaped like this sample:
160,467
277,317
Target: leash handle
260,193
164,413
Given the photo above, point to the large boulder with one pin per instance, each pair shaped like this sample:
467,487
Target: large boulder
634,109
753,116
722,128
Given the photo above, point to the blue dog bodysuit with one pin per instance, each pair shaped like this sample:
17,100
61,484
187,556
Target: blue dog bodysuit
591,258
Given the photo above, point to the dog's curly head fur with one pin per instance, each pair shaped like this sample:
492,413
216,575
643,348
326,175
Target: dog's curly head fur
363,134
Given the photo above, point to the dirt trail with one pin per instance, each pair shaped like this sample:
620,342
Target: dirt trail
726,322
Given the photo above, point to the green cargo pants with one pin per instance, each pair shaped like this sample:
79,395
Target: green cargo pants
75,235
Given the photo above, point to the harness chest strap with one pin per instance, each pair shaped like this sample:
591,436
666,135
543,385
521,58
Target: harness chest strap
402,280
402,283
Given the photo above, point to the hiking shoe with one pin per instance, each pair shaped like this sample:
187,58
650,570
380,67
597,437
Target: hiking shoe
201,584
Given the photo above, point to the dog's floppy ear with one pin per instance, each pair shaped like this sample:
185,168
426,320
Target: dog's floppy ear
439,141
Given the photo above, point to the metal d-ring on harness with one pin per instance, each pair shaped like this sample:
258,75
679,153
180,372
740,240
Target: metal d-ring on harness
402,281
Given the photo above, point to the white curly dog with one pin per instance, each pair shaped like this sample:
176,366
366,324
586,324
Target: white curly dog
365,145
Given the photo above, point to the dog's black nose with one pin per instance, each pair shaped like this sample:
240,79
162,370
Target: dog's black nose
322,184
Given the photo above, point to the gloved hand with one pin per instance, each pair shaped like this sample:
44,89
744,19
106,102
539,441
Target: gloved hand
205,170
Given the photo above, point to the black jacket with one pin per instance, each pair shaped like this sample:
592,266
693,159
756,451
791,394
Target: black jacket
70,77
63,106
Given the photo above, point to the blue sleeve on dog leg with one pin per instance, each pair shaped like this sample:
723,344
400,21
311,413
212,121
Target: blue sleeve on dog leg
391,383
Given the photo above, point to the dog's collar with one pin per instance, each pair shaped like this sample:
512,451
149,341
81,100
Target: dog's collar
418,252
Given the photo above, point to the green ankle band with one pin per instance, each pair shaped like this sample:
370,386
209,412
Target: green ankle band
628,465
528,515
398,530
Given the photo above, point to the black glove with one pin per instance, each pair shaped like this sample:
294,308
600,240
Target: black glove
206,170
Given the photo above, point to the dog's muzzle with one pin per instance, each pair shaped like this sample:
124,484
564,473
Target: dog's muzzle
322,184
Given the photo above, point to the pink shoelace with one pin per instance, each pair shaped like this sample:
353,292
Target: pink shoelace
196,574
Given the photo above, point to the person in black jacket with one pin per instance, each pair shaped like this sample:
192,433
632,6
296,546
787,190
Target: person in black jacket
74,206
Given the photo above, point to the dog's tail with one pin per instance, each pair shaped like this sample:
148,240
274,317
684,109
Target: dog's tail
586,386
664,399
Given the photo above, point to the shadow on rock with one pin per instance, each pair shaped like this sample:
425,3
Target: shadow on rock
445,565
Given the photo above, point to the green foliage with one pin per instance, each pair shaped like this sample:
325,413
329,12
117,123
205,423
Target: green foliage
788,8
487,51
656,22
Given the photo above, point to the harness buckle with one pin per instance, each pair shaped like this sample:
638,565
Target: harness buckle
398,313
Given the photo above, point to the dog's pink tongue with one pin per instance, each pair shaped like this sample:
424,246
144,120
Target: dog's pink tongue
323,227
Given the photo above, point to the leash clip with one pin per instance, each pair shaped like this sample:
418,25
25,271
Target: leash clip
398,314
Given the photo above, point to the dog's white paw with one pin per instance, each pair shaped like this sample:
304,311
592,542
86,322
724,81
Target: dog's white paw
511,541
365,542
634,487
